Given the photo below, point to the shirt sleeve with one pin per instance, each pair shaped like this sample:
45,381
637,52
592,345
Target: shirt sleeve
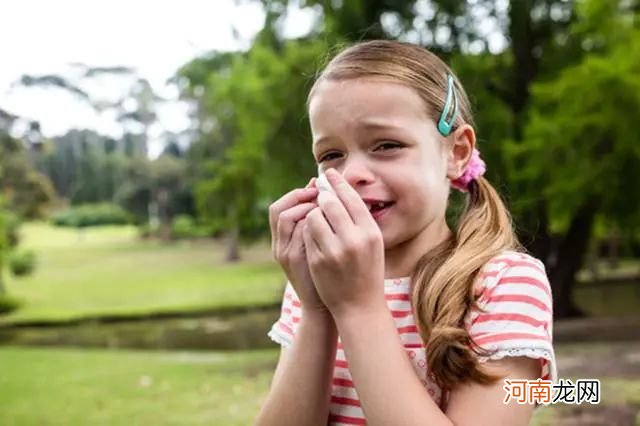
516,312
283,330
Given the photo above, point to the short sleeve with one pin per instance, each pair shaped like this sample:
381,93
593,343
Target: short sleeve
283,330
516,311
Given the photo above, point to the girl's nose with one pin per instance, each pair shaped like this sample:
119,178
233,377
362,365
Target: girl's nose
356,171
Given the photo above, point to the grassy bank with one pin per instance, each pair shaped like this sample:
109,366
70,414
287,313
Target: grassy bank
74,387
100,387
109,271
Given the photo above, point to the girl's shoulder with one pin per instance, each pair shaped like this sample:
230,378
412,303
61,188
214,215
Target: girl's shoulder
512,258
519,270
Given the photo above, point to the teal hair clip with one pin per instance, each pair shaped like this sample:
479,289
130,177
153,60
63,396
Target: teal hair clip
444,126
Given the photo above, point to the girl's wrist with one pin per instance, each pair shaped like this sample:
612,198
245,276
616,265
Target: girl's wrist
319,323
355,316
317,315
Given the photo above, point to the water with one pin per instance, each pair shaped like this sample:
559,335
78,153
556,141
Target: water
238,332
613,315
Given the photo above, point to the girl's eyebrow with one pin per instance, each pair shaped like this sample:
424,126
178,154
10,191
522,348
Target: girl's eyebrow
377,125
320,141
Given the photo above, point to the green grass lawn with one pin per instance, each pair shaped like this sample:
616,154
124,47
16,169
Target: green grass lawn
110,271
87,387
44,386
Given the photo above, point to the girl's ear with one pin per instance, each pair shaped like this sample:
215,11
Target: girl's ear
463,141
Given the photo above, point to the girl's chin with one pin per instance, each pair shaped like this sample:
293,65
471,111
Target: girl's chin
389,238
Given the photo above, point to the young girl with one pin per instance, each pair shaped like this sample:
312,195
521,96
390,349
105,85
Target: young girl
389,317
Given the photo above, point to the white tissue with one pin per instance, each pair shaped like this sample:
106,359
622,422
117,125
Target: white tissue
323,184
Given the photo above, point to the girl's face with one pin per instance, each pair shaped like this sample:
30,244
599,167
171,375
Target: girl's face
378,135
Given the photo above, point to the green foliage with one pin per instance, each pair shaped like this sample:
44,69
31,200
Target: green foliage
27,192
582,121
86,167
8,304
22,262
184,226
4,242
481,76
259,146
92,215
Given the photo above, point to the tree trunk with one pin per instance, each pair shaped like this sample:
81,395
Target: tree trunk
533,232
569,260
164,214
525,64
592,260
233,252
613,241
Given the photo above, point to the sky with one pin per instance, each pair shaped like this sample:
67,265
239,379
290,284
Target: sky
155,37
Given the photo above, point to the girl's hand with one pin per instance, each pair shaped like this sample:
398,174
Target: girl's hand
345,250
286,220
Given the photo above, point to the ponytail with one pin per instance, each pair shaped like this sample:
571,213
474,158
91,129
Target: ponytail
443,286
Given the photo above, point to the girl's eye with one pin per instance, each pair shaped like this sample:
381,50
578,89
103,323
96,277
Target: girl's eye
386,146
329,156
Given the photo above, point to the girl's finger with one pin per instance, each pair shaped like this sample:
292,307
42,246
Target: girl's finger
297,242
311,248
312,183
287,221
290,199
335,213
320,231
351,200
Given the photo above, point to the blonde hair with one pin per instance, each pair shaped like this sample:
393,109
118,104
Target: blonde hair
443,280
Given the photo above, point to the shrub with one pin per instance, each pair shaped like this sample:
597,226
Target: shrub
92,215
8,304
22,262
184,226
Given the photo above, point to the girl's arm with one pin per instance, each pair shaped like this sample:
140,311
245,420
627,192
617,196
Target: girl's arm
301,387
391,393
389,389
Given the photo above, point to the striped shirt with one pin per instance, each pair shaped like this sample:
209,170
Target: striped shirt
515,319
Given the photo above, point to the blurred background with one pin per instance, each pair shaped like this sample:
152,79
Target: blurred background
142,142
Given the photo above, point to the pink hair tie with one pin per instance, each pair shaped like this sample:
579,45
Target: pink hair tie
475,168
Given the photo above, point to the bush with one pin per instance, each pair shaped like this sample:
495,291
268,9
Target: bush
8,304
22,262
92,215
145,231
184,226
12,227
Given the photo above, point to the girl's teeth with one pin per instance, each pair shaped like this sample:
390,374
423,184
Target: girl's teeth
379,205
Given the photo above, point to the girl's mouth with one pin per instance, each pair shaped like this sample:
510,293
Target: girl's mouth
379,208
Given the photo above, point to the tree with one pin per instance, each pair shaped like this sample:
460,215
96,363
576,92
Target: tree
26,191
4,246
259,143
581,120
